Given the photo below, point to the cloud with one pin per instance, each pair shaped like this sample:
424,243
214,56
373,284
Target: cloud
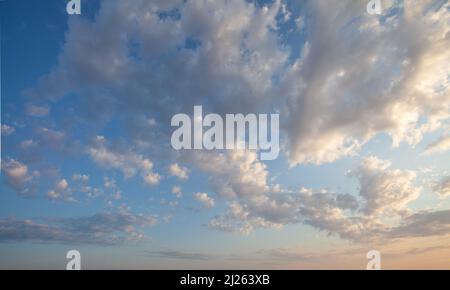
360,75
102,229
7,130
236,173
442,187
129,162
19,177
423,224
80,177
346,79
178,171
357,75
37,111
385,190
61,192
172,254
176,190
440,145
383,193
204,199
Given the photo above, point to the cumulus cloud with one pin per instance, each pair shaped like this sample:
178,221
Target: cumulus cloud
178,171
440,145
442,187
104,229
204,199
385,190
19,177
7,130
80,177
349,78
61,191
360,75
128,162
236,173
357,75
176,190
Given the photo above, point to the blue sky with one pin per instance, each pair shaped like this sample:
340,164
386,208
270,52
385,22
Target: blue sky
364,104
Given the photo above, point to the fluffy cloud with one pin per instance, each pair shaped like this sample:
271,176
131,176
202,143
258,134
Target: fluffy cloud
178,171
442,187
360,75
80,177
438,146
18,176
236,173
383,193
129,162
61,192
357,75
105,229
348,78
176,190
7,130
385,190
204,199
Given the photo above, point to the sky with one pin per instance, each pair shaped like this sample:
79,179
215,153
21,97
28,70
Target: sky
86,156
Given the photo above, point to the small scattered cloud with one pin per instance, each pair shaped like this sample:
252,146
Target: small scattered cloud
37,111
204,199
178,171
176,190
7,130
19,177
61,192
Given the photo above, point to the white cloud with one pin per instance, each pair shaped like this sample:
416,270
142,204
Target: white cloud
19,177
7,130
438,146
204,199
178,171
442,187
152,178
385,190
61,192
360,75
80,177
357,75
176,190
129,162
